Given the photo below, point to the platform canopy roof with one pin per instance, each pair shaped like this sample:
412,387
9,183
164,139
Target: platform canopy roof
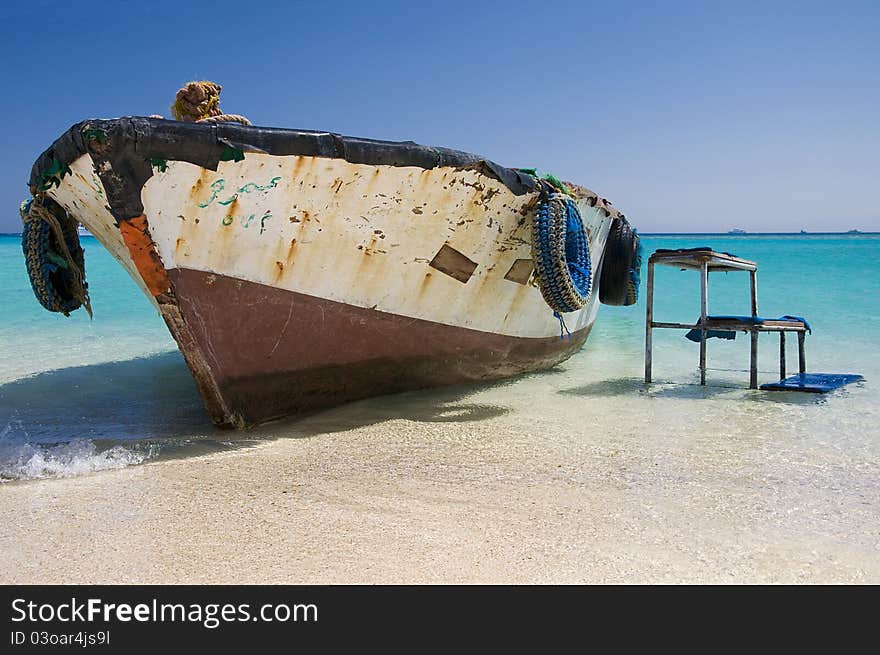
693,258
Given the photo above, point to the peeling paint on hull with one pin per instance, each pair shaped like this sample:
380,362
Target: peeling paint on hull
301,282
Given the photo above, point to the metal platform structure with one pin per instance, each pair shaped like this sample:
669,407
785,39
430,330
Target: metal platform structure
706,260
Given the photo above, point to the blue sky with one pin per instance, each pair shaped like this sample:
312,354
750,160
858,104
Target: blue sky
689,116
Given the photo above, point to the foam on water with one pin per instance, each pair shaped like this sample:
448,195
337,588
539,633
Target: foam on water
78,396
26,461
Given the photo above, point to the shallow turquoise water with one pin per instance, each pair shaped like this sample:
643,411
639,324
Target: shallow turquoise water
79,395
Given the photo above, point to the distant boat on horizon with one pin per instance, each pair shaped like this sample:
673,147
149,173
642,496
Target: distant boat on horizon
82,231
853,232
737,231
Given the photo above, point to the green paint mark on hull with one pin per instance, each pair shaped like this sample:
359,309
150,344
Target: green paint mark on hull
219,186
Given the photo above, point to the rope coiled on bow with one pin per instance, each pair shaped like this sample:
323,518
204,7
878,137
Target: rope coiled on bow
199,102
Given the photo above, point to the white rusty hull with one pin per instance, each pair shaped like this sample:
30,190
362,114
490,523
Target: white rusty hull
361,235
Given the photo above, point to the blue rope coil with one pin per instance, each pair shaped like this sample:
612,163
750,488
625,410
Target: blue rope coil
563,271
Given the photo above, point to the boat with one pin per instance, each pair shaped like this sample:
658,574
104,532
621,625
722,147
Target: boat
298,270
737,231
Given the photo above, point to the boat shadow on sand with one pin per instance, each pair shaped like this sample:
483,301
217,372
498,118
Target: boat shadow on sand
144,398
155,399
436,405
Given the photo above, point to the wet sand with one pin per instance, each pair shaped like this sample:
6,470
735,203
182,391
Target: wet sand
477,487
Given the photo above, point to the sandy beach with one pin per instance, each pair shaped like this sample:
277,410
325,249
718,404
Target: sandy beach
473,486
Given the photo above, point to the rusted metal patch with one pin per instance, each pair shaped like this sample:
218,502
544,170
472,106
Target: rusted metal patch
143,253
448,260
520,271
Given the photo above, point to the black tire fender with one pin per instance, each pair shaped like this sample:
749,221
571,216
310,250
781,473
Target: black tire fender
621,265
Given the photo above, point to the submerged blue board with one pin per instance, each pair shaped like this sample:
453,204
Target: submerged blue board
814,382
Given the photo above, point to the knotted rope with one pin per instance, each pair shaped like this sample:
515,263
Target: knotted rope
58,281
225,118
199,102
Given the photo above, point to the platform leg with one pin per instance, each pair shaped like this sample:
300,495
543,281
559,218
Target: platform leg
753,366
649,320
753,284
704,312
781,355
703,356
802,358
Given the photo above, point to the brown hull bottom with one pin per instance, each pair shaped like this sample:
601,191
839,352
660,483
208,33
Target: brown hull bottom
260,353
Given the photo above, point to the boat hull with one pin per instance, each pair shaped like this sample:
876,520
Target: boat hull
293,282
274,352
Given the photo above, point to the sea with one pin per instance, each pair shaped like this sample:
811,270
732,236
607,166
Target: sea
79,396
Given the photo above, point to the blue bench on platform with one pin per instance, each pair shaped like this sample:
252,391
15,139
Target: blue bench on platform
732,322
